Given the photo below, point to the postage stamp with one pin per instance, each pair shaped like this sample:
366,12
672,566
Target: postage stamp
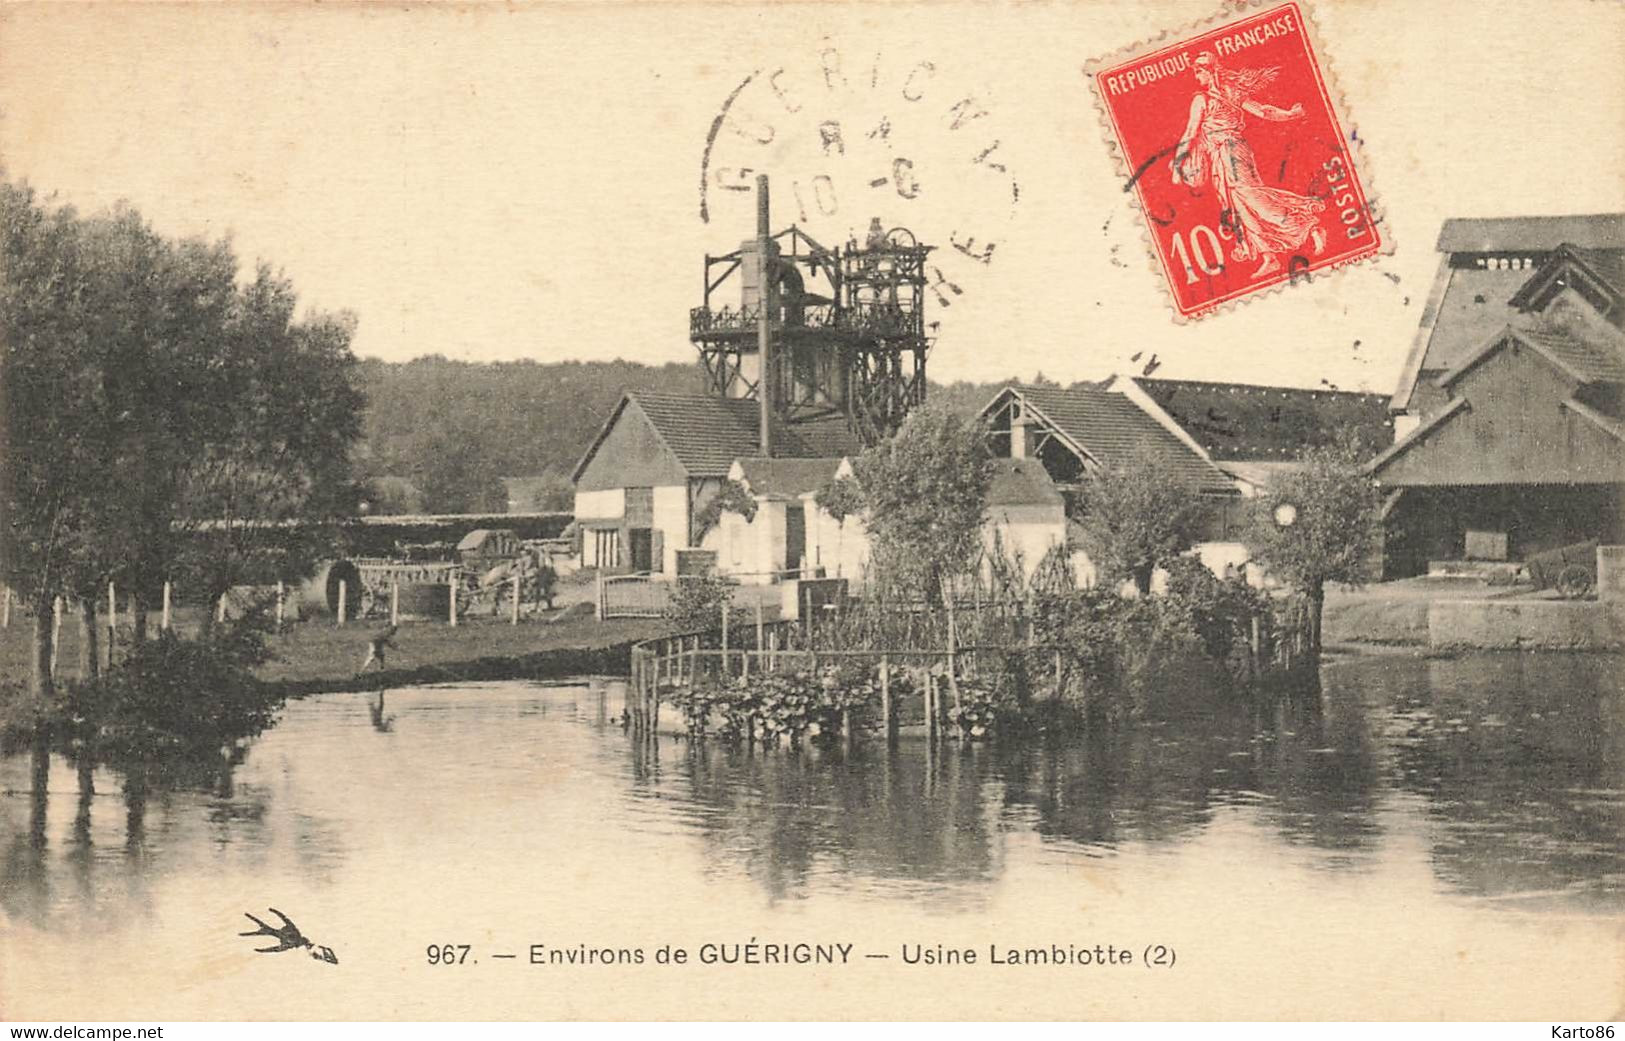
1232,137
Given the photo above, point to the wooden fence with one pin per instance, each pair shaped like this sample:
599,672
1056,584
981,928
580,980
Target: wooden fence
1276,644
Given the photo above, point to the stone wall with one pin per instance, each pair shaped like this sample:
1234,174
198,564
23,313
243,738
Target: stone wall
1555,625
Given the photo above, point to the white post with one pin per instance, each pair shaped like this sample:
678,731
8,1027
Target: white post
516,600
451,584
164,624
281,602
598,595
112,620
395,602
344,593
5,611
725,639
56,631
220,608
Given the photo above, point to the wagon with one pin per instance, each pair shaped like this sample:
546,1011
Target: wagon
1571,569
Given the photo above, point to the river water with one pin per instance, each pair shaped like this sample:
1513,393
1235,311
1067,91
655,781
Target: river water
1425,839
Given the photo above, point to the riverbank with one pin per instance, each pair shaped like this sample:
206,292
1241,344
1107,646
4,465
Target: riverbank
316,657
1439,615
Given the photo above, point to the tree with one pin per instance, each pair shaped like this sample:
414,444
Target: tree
1137,515
1318,524
159,417
925,496
50,474
267,472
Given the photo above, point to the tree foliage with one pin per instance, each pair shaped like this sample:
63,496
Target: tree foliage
840,497
925,496
152,398
1336,523
731,497
1137,515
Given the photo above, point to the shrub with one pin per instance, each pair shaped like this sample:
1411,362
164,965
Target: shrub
984,709
696,602
172,699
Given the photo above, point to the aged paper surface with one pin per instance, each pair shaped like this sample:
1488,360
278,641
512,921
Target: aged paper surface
535,181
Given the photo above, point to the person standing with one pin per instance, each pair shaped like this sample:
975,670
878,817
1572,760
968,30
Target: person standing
376,647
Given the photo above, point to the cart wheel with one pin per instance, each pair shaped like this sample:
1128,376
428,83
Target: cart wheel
1574,581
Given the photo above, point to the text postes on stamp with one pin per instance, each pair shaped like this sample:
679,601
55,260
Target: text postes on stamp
1232,138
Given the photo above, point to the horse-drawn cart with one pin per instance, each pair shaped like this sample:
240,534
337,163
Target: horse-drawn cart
1571,569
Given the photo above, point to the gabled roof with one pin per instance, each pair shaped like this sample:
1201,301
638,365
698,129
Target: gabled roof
786,478
1468,305
1473,298
707,434
1417,436
1022,482
1582,362
1597,274
1534,234
1107,427
1240,421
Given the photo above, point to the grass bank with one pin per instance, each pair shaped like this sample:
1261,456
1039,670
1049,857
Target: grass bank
319,656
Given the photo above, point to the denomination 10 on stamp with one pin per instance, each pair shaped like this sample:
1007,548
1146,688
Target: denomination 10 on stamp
1232,138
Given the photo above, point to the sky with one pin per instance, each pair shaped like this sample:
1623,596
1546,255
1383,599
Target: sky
508,181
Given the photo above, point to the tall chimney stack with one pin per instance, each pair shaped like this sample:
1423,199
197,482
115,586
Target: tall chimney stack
764,329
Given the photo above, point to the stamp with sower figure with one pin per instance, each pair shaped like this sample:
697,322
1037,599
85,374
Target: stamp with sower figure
1232,137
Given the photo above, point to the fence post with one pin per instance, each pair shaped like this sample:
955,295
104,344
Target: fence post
758,625
112,621
5,611
344,595
773,651
56,630
168,594
220,606
451,588
953,661
598,594
929,687
395,601
886,716
515,599
725,640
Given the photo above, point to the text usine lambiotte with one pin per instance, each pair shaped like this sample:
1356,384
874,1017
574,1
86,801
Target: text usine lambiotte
769,953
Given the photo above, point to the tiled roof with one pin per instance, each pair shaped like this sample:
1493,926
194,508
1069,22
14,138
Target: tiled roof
1476,304
708,433
1236,421
787,476
1515,234
1593,363
1110,427
1022,482
1606,264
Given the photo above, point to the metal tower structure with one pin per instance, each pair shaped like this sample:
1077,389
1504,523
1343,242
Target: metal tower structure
825,331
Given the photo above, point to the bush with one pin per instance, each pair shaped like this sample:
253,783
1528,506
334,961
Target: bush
984,709
1219,612
778,705
172,700
696,602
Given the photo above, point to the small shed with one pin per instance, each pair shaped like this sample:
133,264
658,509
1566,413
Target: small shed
488,546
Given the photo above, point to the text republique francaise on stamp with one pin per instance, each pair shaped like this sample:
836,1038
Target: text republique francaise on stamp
1232,137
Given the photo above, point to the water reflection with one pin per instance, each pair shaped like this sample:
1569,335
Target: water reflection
1499,777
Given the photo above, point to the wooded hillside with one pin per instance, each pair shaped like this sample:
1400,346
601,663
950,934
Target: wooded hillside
440,434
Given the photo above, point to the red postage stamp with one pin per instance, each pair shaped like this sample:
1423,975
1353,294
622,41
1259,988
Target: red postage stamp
1233,139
